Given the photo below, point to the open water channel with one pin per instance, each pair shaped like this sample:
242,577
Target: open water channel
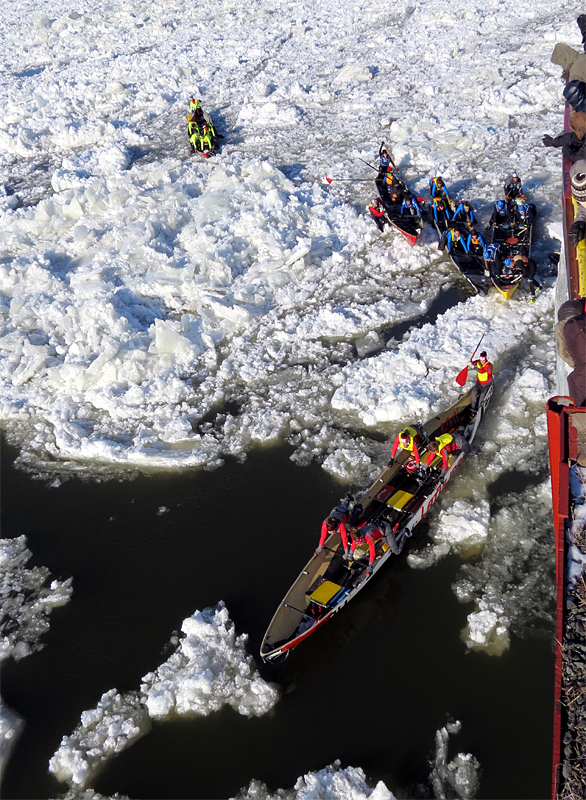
370,689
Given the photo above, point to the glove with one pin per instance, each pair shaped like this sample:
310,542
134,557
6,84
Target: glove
390,462
548,140
347,555
370,569
318,549
577,232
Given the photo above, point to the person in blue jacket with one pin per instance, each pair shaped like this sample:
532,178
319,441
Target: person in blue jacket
453,240
385,160
475,244
440,211
464,213
500,215
437,188
410,206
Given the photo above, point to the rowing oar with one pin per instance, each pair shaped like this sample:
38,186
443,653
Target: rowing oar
367,164
325,179
463,375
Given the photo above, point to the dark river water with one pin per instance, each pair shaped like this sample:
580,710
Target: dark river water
370,689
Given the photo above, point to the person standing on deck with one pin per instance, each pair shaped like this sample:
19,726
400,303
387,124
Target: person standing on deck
483,381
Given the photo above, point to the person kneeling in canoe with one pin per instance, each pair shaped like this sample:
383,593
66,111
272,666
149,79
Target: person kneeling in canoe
336,520
371,533
408,439
448,443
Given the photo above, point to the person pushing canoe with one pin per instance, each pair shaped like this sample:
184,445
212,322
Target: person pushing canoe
336,520
408,440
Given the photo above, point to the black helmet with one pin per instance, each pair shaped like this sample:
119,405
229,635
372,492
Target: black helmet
331,523
575,94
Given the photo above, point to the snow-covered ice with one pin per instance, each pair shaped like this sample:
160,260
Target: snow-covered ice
456,778
25,600
161,312
11,725
330,783
209,669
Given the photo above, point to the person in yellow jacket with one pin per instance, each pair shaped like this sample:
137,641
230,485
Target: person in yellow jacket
200,128
448,443
408,440
483,380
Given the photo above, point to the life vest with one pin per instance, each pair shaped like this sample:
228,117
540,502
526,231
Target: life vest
412,436
443,441
484,372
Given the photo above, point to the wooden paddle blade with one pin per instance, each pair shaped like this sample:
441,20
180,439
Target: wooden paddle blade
462,376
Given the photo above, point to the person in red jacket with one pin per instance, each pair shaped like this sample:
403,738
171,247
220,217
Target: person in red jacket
483,380
377,210
445,444
370,533
408,439
336,519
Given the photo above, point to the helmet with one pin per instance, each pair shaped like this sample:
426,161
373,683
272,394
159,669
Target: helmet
474,235
501,206
575,95
508,263
488,255
514,175
466,205
331,523
404,435
523,210
439,181
483,354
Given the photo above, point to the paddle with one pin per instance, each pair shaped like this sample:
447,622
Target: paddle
462,376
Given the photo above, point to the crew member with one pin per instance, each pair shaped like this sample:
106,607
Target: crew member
483,380
500,215
475,244
370,533
445,444
336,519
408,439
526,267
377,210
513,186
437,188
